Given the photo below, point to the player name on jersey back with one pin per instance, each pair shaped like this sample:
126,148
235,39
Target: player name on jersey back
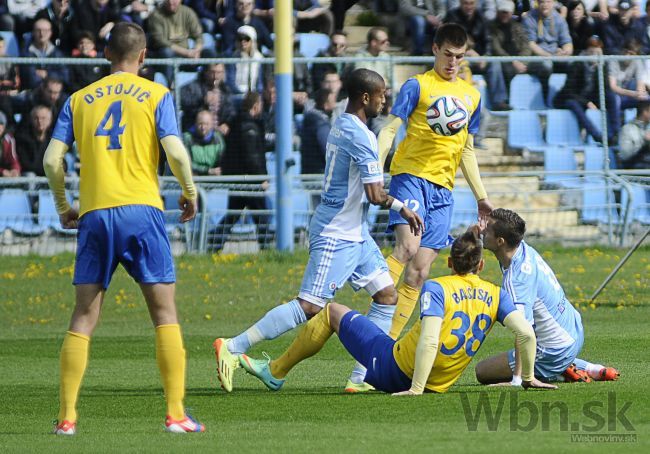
133,90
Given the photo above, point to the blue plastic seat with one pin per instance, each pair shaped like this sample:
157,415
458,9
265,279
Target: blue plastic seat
598,203
595,117
526,93
640,207
525,130
594,158
301,205
562,128
465,211
555,84
11,44
160,79
183,78
629,114
208,41
560,159
172,211
16,213
47,214
216,205
312,43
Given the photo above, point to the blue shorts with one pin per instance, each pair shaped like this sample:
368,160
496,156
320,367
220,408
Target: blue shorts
431,201
550,363
133,235
333,262
374,349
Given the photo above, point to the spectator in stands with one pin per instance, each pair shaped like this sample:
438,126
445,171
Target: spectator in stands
96,16
171,27
302,84
9,83
209,92
23,13
309,15
548,36
42,47
138,11
60,16
269,98
645,25
248,74
49,94
243,16
626,81
580,91
205,144
337,48
509,39
581,25
315,129
475,24
82,75
598,10
424,17
212,12
622,26
377,45
32,140
634,140
245,155
9,163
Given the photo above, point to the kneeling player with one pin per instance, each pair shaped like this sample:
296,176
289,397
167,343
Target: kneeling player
539,296
456,314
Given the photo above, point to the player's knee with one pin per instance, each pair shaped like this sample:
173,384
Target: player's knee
309,309
405,251
386,296
480,372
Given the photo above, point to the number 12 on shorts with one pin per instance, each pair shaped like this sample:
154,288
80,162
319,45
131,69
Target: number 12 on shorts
114,116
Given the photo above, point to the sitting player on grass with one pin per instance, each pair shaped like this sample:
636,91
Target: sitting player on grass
539,296
456,313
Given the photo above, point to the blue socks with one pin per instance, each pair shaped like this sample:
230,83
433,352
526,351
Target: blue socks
382,316
275,322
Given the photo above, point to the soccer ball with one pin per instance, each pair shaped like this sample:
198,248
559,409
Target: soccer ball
447,116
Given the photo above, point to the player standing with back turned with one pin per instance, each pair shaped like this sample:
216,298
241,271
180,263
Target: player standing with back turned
117,122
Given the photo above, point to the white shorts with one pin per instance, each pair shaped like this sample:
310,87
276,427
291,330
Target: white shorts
333,262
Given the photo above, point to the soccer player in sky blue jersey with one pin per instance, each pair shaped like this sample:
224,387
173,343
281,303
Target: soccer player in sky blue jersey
537,293
340,247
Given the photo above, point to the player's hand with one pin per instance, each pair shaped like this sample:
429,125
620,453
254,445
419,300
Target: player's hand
485,207
535,383
406,393
69,219
188,208
415,221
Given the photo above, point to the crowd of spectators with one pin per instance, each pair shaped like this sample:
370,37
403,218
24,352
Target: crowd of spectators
219,119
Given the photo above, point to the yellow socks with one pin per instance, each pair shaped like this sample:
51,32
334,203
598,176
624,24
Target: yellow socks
395,268
308,342
73,361
407,296
170,356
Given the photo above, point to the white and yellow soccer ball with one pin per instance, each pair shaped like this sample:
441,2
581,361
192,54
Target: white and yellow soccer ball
447,115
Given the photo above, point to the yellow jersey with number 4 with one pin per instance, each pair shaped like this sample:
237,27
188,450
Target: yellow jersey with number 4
117,123
468,306
424,153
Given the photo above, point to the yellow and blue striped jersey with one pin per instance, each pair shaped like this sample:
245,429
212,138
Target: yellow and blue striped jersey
423,153
117,123
468,306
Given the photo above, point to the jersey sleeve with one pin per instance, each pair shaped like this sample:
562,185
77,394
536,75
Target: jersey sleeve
166,117
506,305
475,119
365,156
407,100
432,300
63,130
522,291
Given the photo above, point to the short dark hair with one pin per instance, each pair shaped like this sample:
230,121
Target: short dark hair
126,41
454,34
85,34
509,226
372,33
362,81
250,99
320,97
466,252
642,106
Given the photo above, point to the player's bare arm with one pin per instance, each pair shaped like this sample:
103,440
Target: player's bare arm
377,196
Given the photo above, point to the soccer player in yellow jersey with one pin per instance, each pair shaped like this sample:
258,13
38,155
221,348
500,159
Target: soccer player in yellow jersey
117,123
424,168
456,314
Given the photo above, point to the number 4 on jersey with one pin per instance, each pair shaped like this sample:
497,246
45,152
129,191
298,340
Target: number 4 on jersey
114,115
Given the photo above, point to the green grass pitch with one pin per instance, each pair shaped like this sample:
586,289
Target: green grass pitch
122,408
